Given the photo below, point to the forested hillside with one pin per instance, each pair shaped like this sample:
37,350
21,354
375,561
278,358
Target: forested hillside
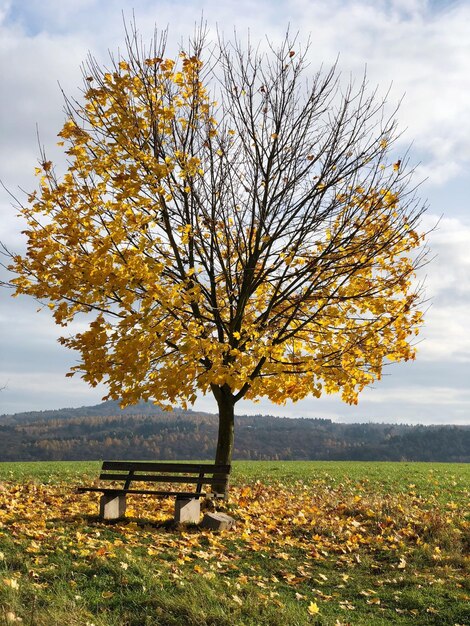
146,432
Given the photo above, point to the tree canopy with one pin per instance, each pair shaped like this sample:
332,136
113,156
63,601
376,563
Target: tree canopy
229,226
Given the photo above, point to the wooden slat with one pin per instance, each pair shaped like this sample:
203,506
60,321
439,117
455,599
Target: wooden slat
201,481
129,479
144,466
178,494
151,478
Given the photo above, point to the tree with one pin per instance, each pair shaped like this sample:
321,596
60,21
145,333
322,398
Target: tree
229,227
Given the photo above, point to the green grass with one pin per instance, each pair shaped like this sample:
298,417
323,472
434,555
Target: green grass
447,480
49,471
368,544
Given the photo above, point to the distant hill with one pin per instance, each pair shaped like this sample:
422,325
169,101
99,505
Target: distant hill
144,431
111,407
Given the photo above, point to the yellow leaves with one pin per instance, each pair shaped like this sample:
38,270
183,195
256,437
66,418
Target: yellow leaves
437,554
161,170
153,62
68,129
237,600
390,198
375,601
178,78
185,233
12,583
167,66
192,165
313,608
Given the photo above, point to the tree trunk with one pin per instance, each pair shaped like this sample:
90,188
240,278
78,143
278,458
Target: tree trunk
226,404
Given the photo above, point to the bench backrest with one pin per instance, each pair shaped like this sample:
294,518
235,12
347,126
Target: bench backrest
187,473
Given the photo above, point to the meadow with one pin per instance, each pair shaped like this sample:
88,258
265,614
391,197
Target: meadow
315,543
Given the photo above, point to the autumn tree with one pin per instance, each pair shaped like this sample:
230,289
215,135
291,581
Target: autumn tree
230,223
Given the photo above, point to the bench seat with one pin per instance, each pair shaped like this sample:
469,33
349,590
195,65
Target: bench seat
162,494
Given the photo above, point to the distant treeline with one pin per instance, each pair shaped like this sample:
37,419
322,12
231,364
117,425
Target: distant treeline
105,431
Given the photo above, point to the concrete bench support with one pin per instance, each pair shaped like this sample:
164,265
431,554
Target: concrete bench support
217,521
187,510
112,506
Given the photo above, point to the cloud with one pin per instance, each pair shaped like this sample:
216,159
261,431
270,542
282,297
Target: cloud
410,393
40,391
445,335
422,51
449,237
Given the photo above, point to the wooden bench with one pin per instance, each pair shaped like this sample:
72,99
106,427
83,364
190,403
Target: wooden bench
125,477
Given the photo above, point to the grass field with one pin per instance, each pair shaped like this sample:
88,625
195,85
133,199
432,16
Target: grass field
315,544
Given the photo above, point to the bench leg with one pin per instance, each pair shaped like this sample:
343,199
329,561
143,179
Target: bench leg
112,506
188,510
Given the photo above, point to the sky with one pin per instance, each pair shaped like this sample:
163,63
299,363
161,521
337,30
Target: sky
419,50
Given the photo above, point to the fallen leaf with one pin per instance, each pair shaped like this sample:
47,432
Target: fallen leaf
313,608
